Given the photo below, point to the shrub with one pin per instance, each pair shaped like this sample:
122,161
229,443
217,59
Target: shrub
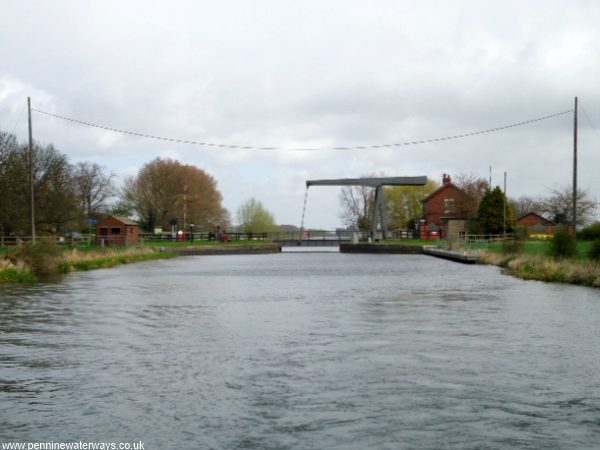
591,232
594,251
563,244
41,257
512,246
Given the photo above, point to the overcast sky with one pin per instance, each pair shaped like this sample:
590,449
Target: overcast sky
310,74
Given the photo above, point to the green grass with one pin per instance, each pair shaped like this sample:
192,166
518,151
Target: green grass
542,248
16,276
111,261
534,262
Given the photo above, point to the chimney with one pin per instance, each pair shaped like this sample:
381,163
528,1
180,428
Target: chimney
446,179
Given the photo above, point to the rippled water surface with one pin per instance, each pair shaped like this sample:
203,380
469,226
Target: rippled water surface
301,351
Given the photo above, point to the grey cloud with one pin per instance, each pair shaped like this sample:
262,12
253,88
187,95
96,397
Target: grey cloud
312,73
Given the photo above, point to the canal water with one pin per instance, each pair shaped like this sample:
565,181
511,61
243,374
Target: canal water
301,351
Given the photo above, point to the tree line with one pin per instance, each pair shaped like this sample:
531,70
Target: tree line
65,193
481,205
68,196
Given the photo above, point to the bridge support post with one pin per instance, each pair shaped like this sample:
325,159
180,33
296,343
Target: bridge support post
379,214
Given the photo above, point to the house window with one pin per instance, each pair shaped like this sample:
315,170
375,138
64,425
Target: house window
448,205
115,231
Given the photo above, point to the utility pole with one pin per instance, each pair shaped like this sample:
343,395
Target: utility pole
574,223
505,201
490,177
31,164
184,204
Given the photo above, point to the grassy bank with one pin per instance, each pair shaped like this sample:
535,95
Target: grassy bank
542,248
538,266
15,272
75,260
31,263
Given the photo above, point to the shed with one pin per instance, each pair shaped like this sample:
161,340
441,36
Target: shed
536,224
117,230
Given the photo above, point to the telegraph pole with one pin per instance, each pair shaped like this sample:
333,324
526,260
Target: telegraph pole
574,223
505,201
31,164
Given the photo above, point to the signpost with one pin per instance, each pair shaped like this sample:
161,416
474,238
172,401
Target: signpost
173,223
91,222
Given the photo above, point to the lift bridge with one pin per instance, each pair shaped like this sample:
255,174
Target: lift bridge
378,216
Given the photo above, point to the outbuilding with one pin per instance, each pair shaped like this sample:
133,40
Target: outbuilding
117,230
536,225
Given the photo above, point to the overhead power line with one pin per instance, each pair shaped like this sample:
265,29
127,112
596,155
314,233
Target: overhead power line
18,120
589,120
250,147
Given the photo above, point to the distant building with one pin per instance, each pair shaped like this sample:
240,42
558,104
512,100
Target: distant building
117,230
536,224
443,211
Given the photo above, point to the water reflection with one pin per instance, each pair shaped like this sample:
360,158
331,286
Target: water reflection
303,351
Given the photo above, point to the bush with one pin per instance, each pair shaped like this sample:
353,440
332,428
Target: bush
512,246
594,251
563,244
591,232
41,257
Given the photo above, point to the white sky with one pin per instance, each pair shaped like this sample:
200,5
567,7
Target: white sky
310,74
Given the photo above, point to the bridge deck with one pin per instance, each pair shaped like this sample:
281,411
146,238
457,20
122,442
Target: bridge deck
311,242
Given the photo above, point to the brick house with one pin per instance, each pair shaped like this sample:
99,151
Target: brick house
117,230
536,224
443,211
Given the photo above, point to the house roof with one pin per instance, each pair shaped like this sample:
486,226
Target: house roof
542,218
124,220
440,189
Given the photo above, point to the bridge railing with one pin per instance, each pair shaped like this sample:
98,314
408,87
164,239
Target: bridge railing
239,236
203,236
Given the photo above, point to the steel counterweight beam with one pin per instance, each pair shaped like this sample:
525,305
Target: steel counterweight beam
370,182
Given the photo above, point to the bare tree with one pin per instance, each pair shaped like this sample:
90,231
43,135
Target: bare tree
559,206
93,187
14,201
55,200
474,188
55,206
357,206
525,205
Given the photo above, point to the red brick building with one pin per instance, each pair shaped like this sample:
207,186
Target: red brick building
536,224
443,210
116,230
